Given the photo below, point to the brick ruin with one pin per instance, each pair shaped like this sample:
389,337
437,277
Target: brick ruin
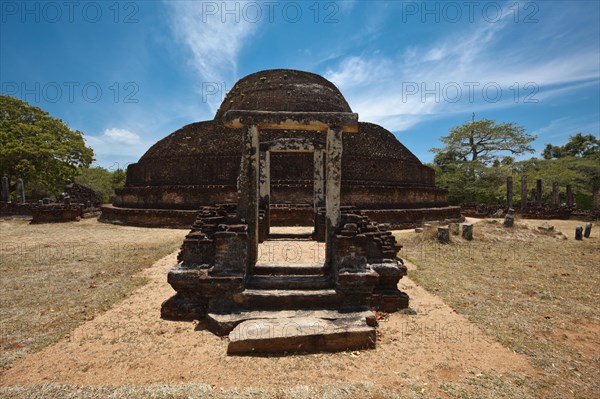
281,308
198,165
536,204
75,203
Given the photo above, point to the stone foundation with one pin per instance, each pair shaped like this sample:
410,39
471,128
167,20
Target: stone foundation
16,209
212,266
60,213
280,215
174,218
369,269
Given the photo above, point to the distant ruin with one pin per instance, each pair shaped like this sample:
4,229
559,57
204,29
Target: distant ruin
76,202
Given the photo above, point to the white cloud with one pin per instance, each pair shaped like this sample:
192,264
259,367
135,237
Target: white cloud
116,144
121,136
214,37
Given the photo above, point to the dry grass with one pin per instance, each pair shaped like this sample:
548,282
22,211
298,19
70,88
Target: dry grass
191,391
536,293
57,276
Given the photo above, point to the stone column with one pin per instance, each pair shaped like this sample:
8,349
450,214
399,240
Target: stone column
524,192
443,234
509,192
538,192
555,197
579,233
265,186
509,219
20,191
588,230
570,196
5,193
595,195
467,231
248,196
319,183
333,184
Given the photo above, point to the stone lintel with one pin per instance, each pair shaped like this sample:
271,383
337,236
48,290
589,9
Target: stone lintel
292,145
313,121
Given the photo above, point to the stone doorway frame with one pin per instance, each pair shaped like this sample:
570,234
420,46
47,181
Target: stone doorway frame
333,124
302,145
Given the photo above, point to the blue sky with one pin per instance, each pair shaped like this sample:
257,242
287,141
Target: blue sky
129,73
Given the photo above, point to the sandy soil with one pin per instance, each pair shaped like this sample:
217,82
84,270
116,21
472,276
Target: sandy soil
130,344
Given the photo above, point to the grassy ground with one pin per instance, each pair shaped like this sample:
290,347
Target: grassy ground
57,276
536,293
203,391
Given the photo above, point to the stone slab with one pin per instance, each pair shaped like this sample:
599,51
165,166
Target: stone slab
223,324
300,335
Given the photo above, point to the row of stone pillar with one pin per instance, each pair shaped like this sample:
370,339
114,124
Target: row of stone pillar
5,191
580,232
443,232
536,193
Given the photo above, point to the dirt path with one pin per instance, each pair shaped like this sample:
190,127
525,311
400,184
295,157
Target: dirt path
130,344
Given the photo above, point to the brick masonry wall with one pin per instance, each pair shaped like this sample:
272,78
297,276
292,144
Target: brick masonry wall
148,217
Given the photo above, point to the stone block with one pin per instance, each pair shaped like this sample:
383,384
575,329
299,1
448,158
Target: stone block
467,231
588,230
300,335
579,233
443,235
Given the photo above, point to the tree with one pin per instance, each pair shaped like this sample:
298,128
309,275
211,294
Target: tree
577,146
581,155
472,165
483,141
101,181
38,148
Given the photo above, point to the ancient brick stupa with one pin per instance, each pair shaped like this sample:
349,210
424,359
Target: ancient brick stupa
198,165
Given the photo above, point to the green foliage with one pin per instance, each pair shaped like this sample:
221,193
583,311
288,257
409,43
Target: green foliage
484,141
102,181
472,165
577,146
472,168
38,148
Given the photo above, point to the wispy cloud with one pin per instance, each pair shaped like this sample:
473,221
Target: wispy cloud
213,39
116,144
564,127
400,90
121,136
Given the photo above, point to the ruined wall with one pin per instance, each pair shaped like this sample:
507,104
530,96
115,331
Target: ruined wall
174,197
206,153
148,217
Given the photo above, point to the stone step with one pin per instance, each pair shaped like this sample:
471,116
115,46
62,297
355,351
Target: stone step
308,282
290,299
300,335
263,269
290,236
223,324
